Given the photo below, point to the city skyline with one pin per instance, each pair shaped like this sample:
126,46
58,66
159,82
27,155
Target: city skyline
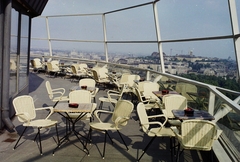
178,20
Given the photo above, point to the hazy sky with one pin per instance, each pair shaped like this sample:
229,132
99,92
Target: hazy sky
177,19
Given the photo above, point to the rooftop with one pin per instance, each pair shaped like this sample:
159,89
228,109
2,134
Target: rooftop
72,150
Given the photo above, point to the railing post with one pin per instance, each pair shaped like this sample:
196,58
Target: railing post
49,39
148,75
211,102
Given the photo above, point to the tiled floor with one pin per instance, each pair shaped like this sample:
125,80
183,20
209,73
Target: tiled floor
27,151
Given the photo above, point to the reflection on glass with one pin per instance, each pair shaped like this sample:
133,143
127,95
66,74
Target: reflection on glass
23,52
13,53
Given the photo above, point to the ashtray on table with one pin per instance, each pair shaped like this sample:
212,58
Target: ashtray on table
189,111
84,87
165,92
73,105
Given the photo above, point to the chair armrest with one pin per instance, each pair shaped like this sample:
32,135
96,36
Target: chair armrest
123,121
101,111
153,122
46,108
112,91
176,132
159,115
59,89
24,116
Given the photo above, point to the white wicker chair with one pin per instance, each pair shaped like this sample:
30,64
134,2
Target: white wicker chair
120,117
26,113
196,135
90,83
81,96
159,130
173,102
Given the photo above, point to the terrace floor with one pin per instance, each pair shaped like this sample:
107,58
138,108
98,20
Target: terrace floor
72,151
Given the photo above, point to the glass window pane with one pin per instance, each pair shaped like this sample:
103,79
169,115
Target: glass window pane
125,25
39,29
13,53
190,19
78,49
23,63
76,27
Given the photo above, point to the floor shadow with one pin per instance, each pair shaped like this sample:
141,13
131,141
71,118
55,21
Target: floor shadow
35,81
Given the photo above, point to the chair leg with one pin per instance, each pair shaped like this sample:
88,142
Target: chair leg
40,143
179,153
100,106
122,140
145,149
19,138
58,141
36,136
105,137
109,137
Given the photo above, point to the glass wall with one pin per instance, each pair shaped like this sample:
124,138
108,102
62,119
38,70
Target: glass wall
19,52
23,57
13,53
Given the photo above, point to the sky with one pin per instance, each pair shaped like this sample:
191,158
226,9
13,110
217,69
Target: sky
177,19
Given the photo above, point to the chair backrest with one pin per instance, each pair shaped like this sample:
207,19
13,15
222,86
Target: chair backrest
49,89
122,111
142,115
198,134
74,68
124,78
131,78
80,96
49,66
37,63
149,87
138,94
102,72
173,102
95,75
24,104
83,66
87,81
141,85
55,64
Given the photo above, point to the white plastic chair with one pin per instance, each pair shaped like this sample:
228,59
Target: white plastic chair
26,113
120,117
56,94
158,129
